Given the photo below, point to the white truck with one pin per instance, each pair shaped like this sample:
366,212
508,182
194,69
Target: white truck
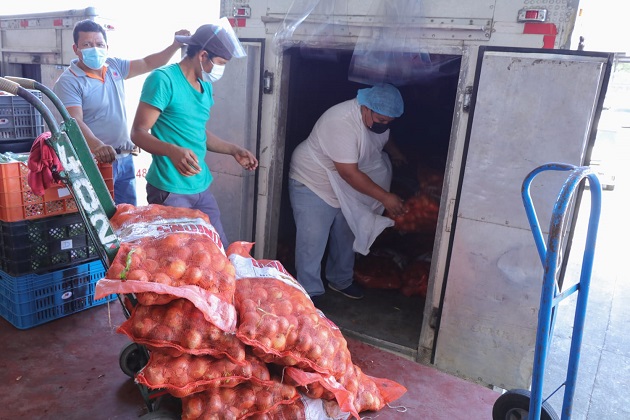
504,90
492,90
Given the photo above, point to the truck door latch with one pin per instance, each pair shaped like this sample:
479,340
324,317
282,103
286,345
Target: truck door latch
267,82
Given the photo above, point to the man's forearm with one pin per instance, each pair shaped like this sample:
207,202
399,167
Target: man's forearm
364,184
162,58
217,145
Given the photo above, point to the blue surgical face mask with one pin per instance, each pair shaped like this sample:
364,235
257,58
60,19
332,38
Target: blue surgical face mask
94,57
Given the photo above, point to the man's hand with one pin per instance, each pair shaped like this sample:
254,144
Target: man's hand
246,159
394,205
104,154
185,160
184,32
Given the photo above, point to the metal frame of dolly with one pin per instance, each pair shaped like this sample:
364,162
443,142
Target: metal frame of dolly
518,403
80,173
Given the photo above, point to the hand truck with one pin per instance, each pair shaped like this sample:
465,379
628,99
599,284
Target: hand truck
520,403
80,173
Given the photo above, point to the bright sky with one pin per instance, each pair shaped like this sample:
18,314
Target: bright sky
141,27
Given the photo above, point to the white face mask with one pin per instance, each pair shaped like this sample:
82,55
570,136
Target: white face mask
215,74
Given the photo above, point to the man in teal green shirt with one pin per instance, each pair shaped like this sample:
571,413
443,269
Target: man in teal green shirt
170,123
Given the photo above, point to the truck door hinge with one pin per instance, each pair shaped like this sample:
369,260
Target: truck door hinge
467,98
435,313
450,213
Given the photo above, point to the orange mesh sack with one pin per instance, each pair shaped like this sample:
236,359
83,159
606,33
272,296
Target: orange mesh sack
182,328
420,214
187,374
127,214
377,272
242,401
165,257
362,392
304,408
317,386
277,318
415,278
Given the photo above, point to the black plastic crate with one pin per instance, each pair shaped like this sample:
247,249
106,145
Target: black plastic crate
18,146
42,245
19,120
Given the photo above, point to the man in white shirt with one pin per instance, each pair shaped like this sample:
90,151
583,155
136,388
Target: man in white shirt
345,141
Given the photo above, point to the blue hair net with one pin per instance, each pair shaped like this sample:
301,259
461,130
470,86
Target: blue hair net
384,99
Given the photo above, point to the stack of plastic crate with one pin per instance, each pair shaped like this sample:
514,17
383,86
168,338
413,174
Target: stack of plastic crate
20,123
49,265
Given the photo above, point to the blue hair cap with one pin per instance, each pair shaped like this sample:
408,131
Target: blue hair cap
383,99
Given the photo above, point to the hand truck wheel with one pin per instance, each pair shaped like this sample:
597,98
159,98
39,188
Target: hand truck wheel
514,405
132,358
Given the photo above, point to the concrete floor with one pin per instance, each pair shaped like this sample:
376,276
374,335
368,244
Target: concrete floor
68,369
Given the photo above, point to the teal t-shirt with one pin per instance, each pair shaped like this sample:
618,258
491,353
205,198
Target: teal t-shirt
182,121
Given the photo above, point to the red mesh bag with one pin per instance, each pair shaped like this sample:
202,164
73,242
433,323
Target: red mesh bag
430,181
181,327
187,374
127,214
304,408
420,214
277,318
415,278
317,386
164,256
377,272
362,392
242,401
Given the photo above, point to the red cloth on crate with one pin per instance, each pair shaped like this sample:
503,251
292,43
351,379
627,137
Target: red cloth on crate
41,161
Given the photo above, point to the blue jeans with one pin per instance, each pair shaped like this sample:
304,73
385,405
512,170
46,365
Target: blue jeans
124,181
204,201
318,224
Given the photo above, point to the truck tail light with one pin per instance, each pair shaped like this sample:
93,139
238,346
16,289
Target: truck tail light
532,15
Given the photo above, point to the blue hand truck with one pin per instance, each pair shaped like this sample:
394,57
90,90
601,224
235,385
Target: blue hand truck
519,404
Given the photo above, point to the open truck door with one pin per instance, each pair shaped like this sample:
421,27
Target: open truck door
528,107
235,117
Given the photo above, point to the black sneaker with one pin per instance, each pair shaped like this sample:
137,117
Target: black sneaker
353,291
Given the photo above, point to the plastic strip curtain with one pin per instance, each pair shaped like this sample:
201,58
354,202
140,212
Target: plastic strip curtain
388,47
320,15
386,51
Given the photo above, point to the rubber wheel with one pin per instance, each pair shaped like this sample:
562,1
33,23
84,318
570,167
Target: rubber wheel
514,405
132,359
161,415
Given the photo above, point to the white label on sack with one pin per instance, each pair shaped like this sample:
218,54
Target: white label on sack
63,192
66,295
67,244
